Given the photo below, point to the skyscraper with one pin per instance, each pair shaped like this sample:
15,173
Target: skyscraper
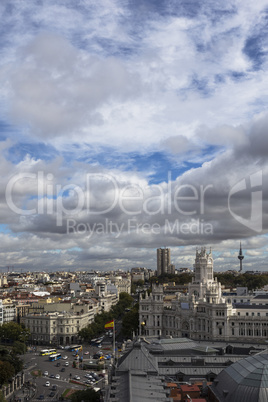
163,261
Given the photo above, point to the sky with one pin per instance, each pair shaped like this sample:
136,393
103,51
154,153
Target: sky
126,126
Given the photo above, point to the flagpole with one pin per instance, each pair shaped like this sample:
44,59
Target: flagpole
114,341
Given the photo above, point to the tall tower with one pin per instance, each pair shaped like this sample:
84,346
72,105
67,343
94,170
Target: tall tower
240,257
203,267
163,261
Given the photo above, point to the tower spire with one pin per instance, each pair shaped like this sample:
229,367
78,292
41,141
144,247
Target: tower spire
240,257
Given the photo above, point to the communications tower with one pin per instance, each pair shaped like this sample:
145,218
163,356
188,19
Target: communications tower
240,257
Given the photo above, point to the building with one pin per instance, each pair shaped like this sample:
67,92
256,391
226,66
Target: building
203,313
245,380
56,328
9,312
173,369
163,261
58,323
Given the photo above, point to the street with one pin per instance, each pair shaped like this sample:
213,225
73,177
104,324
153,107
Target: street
39,371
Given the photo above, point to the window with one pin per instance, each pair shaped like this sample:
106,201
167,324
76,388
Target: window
252,314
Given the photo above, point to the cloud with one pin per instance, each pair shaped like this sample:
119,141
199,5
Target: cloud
165,110
57,89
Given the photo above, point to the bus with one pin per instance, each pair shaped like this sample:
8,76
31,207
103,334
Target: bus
47,352
75,348
54,357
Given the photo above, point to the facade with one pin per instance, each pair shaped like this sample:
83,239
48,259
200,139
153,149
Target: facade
163,261
203,313
1,313
56,328
9,312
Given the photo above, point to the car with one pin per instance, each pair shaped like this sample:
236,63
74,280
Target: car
65,357
57,376
41,397
52,376
58,364
63,369
54,387
67,364
86,353
47,384
76,377
51,394
61,347
45,372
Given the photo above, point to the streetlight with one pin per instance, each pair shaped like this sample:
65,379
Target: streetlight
143,323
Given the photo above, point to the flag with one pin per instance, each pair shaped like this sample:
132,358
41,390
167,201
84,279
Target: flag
109,324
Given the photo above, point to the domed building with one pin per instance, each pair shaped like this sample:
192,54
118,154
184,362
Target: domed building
245,381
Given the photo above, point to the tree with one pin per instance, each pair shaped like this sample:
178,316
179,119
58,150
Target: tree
19,348
87,395
130,322
6,371
97,327
14,332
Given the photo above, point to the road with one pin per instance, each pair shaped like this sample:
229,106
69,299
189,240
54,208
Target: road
36,364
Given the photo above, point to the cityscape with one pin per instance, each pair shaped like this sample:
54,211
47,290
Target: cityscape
174,326
133,201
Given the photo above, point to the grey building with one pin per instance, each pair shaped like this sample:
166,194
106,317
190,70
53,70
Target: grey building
163,261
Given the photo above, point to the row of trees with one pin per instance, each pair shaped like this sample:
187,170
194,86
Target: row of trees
117,312
13,337
251,281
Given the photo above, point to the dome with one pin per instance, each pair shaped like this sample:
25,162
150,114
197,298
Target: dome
245,381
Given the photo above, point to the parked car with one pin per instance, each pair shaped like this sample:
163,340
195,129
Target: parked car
51,394
65,357
41,397
67,364
57,376
54,387
76,377
45,372
86,353
63,369
47,384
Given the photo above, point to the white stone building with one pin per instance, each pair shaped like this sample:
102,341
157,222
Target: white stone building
56,328
203,313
